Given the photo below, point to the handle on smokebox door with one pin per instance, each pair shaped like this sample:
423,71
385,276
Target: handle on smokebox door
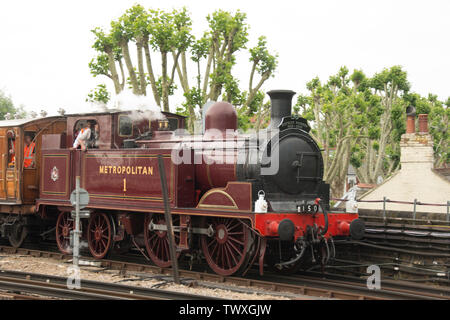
168,218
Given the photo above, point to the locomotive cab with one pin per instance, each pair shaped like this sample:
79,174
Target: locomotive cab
117,128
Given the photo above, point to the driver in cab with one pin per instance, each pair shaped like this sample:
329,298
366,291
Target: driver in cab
83,136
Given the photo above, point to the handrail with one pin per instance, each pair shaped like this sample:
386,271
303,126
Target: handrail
394,201
4,167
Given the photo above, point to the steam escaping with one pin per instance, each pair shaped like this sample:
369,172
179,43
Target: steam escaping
142,107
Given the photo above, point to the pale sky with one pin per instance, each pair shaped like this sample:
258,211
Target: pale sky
45,46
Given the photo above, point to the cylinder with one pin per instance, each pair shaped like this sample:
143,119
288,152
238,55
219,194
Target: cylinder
423,123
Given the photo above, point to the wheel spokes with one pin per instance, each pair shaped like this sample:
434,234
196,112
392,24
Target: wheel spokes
99,235
227,251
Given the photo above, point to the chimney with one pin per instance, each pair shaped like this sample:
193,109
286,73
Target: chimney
410,119
281,102
423,123
416,148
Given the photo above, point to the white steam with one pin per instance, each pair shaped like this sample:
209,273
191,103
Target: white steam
142,107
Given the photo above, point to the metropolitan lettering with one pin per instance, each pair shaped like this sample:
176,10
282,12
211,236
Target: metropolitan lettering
129,170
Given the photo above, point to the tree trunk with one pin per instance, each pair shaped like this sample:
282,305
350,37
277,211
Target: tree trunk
255,90
198,76
113,70
207,72
142,80
252,74
184,69
165,82
122,84
151,75
129,64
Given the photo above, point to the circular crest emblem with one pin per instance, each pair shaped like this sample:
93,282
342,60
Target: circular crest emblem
55,174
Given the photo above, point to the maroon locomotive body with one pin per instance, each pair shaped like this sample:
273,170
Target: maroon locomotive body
228,204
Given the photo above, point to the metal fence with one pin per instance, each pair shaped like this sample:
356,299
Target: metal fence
414,203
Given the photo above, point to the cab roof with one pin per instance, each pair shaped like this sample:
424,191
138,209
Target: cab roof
22,122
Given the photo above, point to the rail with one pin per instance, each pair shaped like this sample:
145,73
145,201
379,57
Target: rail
306,289
54,286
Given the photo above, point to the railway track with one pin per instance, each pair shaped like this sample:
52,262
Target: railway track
56,287
390,290
322,286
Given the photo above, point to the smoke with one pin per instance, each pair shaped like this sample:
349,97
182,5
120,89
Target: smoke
141,107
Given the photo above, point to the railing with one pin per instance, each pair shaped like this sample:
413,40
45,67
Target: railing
415,203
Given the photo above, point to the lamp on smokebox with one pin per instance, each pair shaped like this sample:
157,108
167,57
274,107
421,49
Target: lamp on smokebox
163,125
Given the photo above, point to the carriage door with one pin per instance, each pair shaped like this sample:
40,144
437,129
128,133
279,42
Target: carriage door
30,189
3,162
13,161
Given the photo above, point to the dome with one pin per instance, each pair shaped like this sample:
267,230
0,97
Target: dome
221,116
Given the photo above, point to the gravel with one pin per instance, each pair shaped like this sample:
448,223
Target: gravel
62,268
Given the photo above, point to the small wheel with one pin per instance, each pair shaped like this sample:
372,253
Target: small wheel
64,224
18,235
99,235
157,241
228,251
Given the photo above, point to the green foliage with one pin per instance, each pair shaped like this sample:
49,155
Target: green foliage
136,21
389,79
99,95
103,42
170,30
264,61
438,118
99,65
360,120
200,48
224,25
169,33
159,84
356,120
7,107
193,98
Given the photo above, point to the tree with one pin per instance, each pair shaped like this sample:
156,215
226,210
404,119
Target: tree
341,110
438,115
169,34
105,62
264,64
379,154
359,120
7,108
100,95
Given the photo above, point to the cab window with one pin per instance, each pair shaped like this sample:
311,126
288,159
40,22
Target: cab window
93,139
173,124
125,126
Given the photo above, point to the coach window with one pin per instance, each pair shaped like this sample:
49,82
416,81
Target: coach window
125,126
29,152
11,148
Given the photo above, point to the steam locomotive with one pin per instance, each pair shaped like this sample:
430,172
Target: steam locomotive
235,199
